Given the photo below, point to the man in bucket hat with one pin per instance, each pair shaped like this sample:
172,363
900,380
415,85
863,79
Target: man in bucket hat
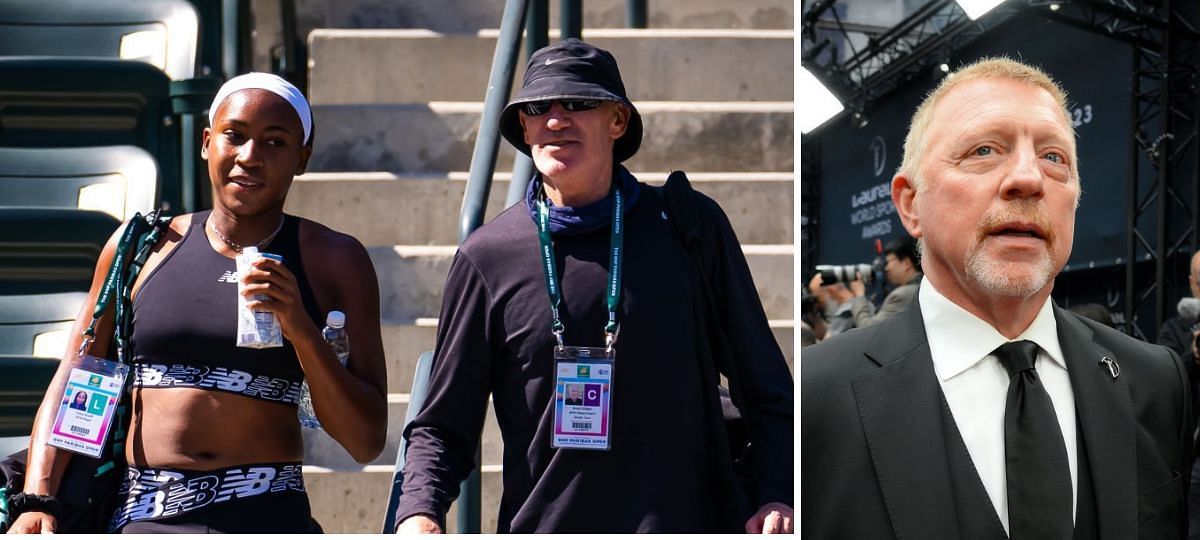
585,286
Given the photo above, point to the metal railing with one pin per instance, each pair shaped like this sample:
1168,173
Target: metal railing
487,142
535,16
420,388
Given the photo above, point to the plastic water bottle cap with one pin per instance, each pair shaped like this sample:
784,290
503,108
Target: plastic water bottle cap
250,250
335,319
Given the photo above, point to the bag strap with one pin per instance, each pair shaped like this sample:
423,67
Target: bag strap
152,232
678,197
138,239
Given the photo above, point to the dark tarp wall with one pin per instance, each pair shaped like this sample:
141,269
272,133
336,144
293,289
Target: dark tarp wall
857,164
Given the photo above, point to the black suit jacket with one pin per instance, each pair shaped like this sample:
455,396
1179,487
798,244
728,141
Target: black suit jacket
873,462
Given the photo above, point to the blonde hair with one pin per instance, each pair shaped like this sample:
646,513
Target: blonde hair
984,68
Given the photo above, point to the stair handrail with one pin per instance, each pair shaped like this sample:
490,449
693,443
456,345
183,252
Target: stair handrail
416,400
487,141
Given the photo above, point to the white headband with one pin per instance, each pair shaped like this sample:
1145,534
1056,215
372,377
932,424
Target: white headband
272,83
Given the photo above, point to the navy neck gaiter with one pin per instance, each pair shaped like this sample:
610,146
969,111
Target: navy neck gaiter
571,221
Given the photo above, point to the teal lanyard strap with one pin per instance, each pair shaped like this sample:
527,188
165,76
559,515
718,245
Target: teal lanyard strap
112,281
616,250
117,284
550,268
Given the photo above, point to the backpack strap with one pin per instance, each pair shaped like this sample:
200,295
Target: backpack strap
136,242
679,198
727,419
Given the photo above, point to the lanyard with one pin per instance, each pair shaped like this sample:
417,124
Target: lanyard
119,279
613,285
113,282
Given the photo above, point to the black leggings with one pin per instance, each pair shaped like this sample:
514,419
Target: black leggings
267,498
267,514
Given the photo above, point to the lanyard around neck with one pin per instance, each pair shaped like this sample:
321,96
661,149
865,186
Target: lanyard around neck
550,268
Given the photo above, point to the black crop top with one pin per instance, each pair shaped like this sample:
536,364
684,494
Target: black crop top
185,322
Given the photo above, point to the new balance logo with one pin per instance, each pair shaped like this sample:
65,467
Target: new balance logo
228,277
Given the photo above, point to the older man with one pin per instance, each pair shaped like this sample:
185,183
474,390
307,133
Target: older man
586,284
984,410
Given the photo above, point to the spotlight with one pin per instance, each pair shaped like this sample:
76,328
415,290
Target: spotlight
819,103
940,70
976,8
859,119
1055,7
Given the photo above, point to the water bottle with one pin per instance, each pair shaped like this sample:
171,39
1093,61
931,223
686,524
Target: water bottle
334,334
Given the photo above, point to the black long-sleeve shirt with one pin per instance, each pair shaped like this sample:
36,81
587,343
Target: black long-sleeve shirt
494,336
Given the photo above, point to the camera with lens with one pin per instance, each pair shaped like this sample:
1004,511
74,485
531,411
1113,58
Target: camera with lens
1195,340
1189,311
844,273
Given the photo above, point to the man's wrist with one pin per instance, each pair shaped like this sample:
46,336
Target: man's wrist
401,517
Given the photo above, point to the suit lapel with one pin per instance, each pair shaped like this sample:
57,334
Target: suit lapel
1105,412
900,407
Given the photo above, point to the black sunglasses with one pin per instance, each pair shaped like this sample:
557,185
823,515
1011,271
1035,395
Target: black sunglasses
537,108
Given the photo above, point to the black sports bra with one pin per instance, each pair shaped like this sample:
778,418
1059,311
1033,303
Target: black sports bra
185,322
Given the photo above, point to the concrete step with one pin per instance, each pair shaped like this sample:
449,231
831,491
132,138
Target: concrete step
411,278
385,209
656,65
472,15
356,501
440,137
321,450
403,343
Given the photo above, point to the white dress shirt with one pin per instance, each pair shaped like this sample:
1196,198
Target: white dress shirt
976,385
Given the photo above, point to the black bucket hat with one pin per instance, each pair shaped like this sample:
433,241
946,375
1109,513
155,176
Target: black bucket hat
572,69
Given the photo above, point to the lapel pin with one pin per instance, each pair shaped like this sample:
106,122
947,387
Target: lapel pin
1113,368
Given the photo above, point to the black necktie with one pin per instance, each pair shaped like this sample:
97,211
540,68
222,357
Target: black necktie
1035,455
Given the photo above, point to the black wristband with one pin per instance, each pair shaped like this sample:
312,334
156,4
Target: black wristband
28,502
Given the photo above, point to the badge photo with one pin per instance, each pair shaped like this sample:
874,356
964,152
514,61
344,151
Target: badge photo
582,398
86,409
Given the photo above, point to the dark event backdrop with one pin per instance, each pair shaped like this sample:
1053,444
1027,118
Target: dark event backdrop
857,164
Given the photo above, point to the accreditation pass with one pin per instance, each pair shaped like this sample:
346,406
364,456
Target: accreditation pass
85,412
582,403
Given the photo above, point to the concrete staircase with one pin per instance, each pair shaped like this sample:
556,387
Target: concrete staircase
397,91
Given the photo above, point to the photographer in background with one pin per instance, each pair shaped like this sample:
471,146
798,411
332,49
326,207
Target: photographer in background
1180,334
903,270
812,320
834,300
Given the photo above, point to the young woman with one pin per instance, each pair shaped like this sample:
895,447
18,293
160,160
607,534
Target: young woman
214,444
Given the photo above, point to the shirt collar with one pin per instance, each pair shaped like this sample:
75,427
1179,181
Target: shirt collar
958,339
